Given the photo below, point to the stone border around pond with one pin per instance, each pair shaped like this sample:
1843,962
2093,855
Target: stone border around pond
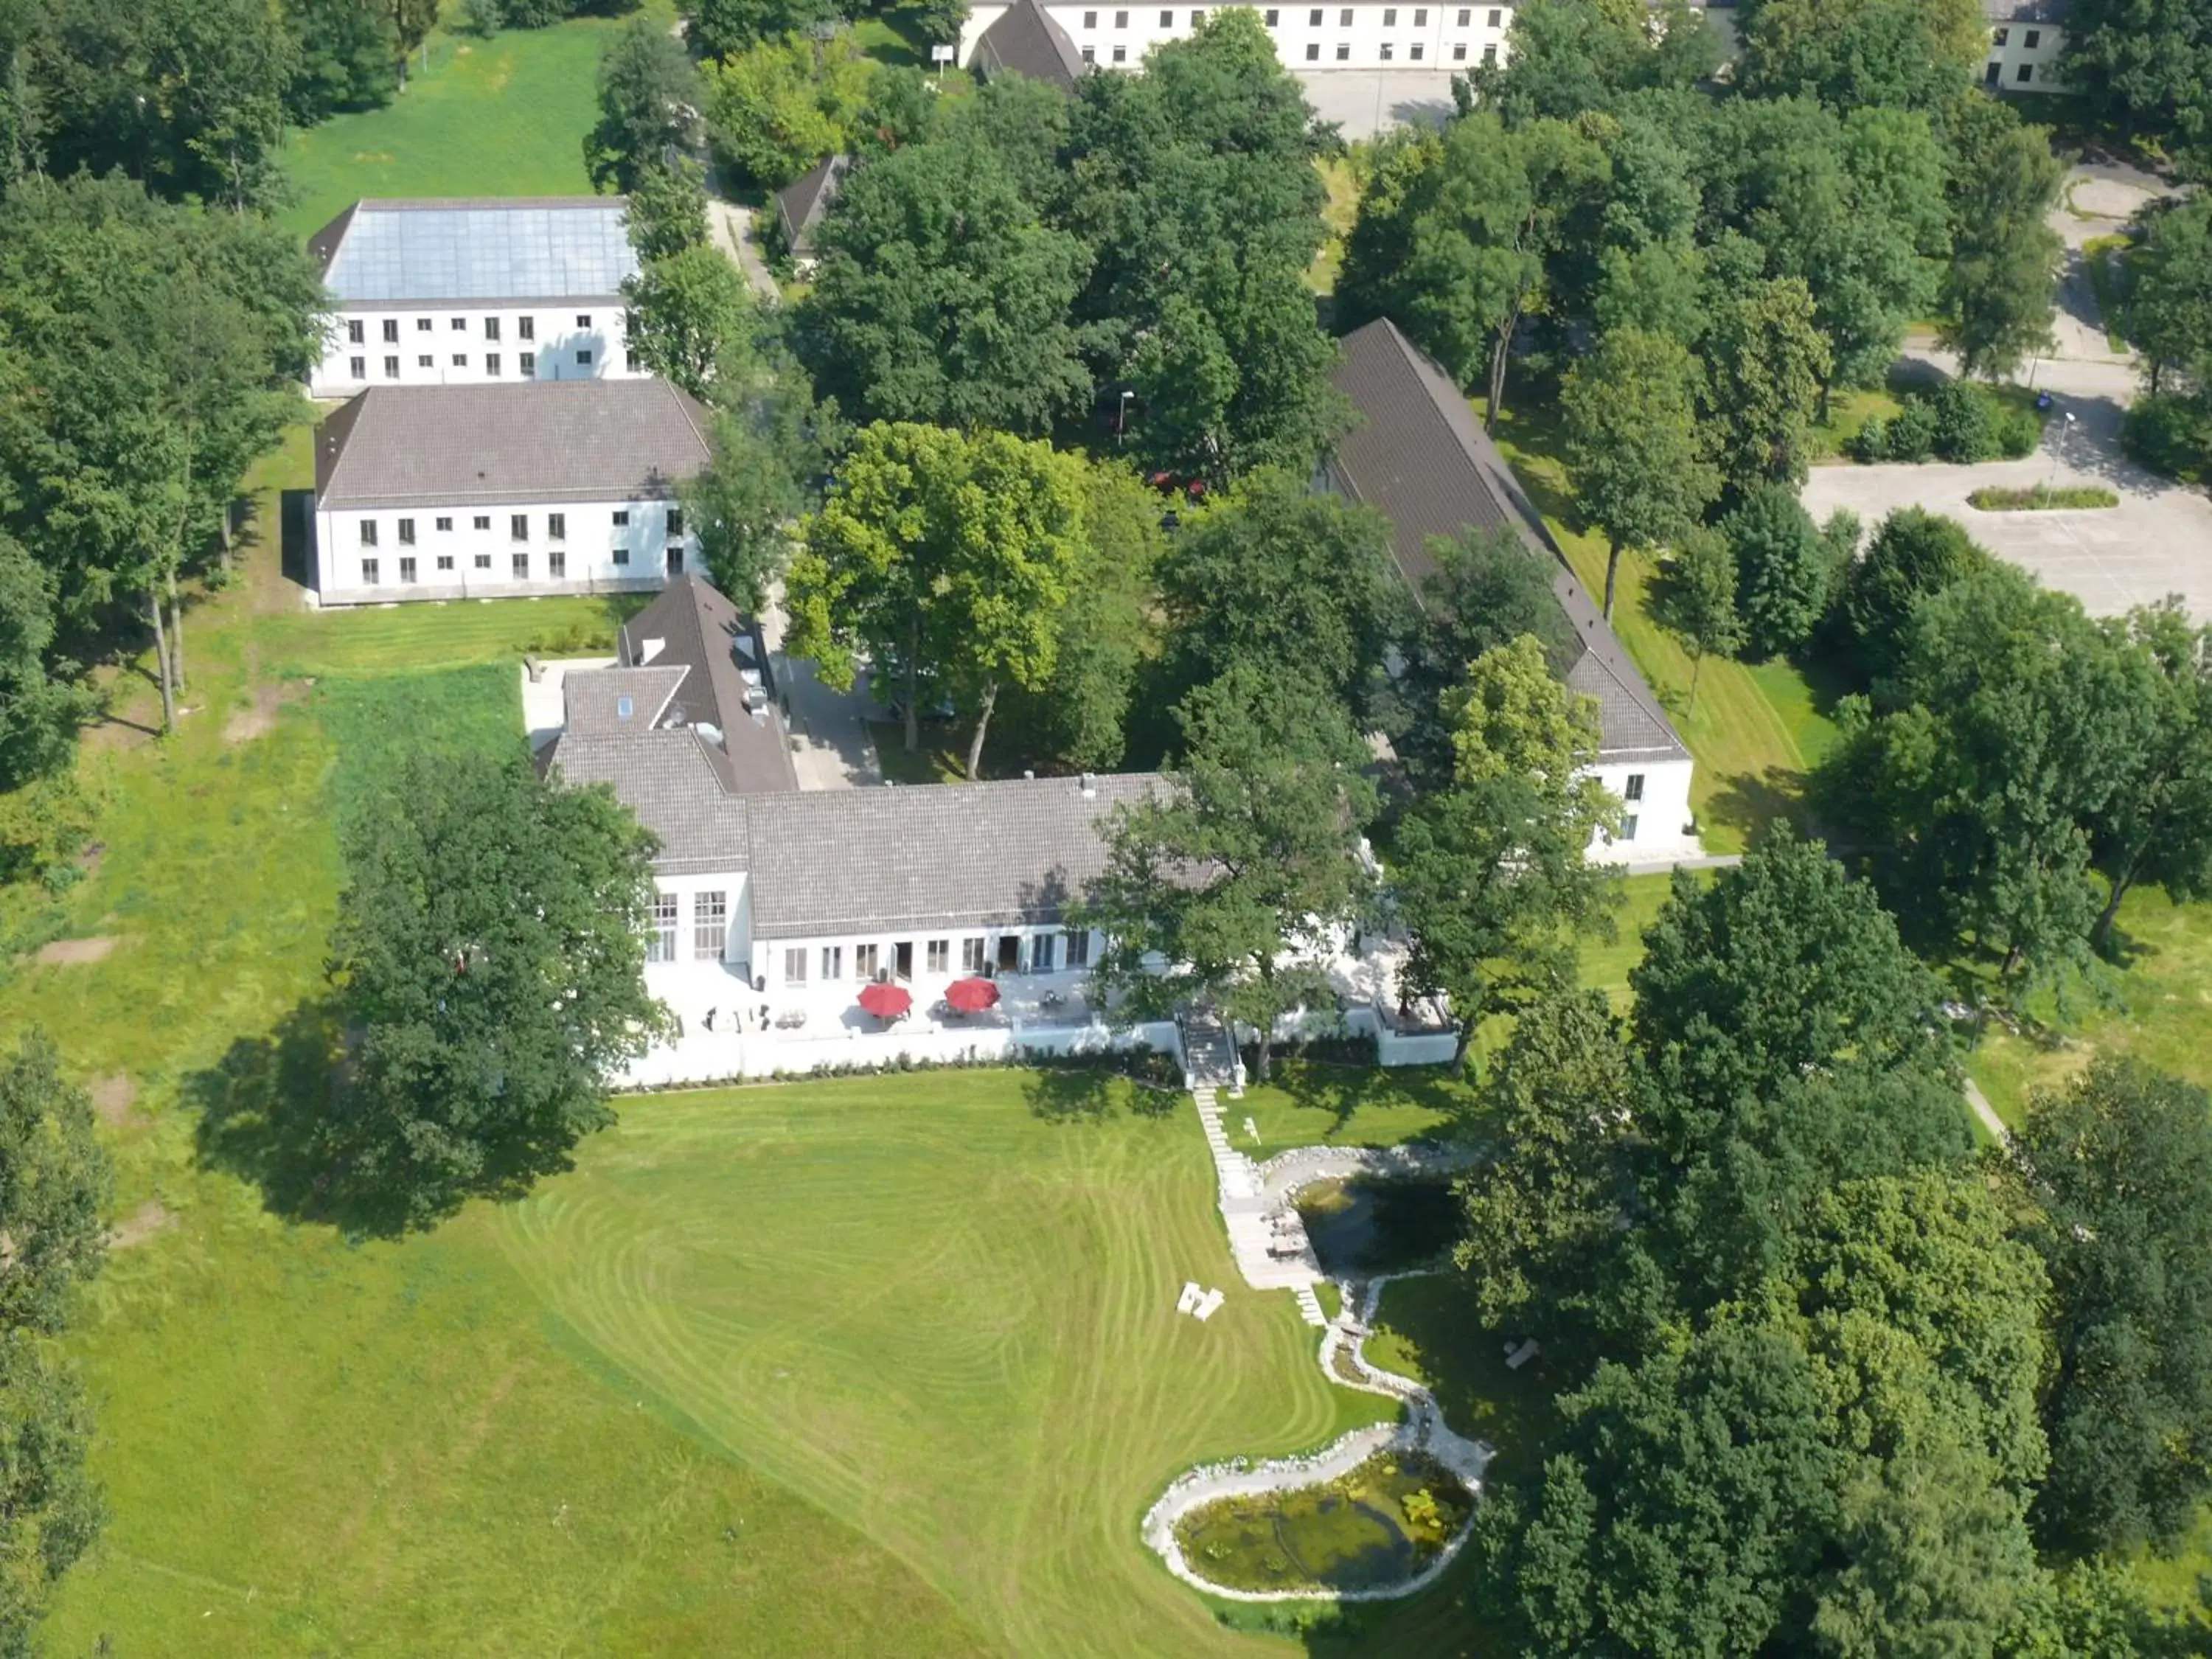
1420,1430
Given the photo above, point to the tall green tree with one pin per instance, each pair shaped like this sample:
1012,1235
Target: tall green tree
2169,303
780,106
2114,1174
943,555
55,1188
50,1510
1490,875
1766,361
1296,583
2156,826
1785,571
349,57
1914,555
650,101
2143,66
1239,876
767,447
1697,603
666,214
490,948
41,700
1634,450
2000,290
1854,54
690,313
721,28
940,298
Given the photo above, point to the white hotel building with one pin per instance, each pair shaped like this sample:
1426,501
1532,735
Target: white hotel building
474,293
504,491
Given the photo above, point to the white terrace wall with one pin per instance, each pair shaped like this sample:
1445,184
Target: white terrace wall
362,554
472,343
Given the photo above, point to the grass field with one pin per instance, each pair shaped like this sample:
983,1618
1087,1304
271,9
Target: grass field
501,116
1757,729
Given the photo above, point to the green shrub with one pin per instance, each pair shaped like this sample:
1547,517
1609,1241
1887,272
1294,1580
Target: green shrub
2020,433
2170,434
1912,432
2042,497
1956,421
1965,427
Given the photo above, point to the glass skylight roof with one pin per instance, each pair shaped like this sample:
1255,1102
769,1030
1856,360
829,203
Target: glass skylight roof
483,253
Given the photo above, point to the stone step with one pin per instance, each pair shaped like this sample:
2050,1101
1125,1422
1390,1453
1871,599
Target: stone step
1309,1306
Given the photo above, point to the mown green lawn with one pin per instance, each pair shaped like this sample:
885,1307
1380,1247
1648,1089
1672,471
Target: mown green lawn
501,116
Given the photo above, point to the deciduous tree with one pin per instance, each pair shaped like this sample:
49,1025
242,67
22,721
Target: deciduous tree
690,313
1767,361
650,100
55,1186
1999,292
1697,603
780,106
1785,572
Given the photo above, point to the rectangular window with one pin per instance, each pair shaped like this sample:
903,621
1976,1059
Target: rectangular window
1389,17
483,560
444,562
1490,54
1344,18
1275,18
460,360
2027,72
368,532
971,955
445,526
1313,18
710,924
356,368
2002,37
392,368
422,324
556,527
518,528
2034,39
355,333
675,521
370,573
481,521
1466,16
1386,51
1628,828
1121,20
1420,18
526,365
833,962
1041,957
660,943
1090,54
526,328
1634,791
583,322
491,328
1079,948
491,362
1120,54
392,331
864,961
795,964
1196,18
1343,52
621,555
1167,19
407,532
556,564
521,567
1313,51
583,360
460,325
1459,52
1091,20
407,570
1495,17
1414,52
939,956
426,360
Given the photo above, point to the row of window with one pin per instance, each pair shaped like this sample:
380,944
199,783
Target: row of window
526,328
1313,21
2029,42
518,526
1416,53
525,364
556,567
1047,953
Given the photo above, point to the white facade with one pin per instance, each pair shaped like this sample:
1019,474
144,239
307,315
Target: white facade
469,343
2024,57
1655,809
374,556
1366,36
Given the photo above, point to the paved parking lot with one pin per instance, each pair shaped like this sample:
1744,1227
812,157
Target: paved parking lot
1362,102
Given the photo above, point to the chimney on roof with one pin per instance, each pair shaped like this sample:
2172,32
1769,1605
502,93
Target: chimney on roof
1089,785
1028,776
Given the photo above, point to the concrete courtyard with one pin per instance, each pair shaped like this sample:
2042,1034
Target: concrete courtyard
1363,102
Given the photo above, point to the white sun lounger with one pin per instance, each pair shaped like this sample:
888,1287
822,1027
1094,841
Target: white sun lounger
1208,1306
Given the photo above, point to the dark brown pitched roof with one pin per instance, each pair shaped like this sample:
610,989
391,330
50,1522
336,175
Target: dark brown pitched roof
727,684
801,205
1026,40
531,441
1421,458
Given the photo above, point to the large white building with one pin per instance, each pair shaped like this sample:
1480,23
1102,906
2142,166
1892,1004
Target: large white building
2026,38
504,491
1419,458
474,293
1053,39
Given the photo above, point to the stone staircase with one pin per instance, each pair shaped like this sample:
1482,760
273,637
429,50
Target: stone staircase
1310,1307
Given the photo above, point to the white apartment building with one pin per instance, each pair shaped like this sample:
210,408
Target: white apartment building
1366,36
504,491
474,293
2026,38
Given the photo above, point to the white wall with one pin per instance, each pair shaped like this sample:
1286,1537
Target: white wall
768,958
2041,59
1418,37
562,340
589,547
1654,826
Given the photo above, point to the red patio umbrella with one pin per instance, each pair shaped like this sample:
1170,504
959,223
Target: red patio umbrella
968,996
886,1001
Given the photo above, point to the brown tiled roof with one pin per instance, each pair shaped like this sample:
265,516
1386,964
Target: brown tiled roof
800,206
1421,458
1027,40
533,440
690,625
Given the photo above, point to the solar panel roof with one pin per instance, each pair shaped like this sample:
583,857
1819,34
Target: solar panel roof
483,250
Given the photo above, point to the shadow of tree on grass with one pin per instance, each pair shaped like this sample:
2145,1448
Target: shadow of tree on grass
1091,1094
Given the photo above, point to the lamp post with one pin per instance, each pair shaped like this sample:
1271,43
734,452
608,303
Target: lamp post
2058,449
1122,417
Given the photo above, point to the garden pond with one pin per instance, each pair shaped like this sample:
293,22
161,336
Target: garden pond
1377,1526
1366,1225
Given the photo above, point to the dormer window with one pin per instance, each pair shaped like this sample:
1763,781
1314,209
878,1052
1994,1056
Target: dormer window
624,708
